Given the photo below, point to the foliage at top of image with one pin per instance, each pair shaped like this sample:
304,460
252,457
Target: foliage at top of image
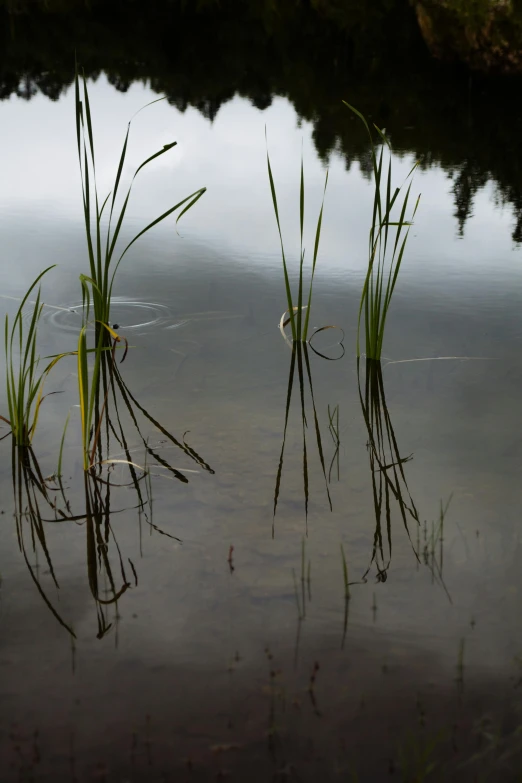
469,126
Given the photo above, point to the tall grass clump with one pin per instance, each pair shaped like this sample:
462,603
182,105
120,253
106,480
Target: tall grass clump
295,307
104,258
24,382
386,233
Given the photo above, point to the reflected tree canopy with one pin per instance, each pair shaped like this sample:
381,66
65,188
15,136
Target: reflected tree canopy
312,52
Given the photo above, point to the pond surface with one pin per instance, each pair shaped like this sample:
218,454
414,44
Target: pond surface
233,650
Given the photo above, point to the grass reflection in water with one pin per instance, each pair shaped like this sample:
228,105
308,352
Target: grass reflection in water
41,502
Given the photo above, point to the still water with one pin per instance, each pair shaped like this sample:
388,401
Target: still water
232,649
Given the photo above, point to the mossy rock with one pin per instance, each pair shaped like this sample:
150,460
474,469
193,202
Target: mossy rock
486,35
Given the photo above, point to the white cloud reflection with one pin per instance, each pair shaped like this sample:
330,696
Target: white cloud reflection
40,184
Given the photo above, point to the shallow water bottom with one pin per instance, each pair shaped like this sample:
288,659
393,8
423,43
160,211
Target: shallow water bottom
233,651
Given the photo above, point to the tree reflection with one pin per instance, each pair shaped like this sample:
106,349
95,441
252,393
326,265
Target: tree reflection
202,55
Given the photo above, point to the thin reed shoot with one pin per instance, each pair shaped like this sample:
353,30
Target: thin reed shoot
59,473
298,325
386,231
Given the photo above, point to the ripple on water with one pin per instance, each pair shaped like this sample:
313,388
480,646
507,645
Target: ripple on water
125,314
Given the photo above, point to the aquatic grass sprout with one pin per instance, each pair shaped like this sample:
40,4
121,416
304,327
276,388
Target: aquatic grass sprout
104,257
24,382
295,311
385,232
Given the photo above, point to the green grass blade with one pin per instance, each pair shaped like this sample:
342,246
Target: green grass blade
88,118
116,184
196,198
60,453
83,387
401,222
165,149
301,202
300,300
381,278
192,198
285,269
21,386
103,205
316,250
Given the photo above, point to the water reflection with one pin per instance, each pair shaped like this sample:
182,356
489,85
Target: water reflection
300,358
386,466
30,490
333,427
390,488
40,502
314,695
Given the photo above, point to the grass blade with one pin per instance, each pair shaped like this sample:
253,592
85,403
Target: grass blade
285,269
